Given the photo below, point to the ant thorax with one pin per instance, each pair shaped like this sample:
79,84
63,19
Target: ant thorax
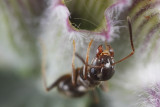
102,67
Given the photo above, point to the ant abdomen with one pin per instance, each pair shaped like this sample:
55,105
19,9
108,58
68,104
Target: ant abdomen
66,87
105,69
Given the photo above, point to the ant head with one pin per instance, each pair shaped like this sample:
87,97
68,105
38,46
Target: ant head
108,51
104,62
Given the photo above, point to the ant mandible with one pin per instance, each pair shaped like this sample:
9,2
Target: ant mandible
91,75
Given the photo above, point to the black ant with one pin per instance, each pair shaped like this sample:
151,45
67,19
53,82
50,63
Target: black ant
91,75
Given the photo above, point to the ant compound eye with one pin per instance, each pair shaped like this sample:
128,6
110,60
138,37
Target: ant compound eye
99,50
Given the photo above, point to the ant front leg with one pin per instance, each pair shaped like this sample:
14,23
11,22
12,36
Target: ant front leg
83,61
74,73
43,65
87,57
80,57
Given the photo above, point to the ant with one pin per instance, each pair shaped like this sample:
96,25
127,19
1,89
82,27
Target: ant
89,76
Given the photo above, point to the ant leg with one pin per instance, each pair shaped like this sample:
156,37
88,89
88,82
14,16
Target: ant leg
131,40
74,73
95,96
44,71
104,86
87,57
43,63
83,61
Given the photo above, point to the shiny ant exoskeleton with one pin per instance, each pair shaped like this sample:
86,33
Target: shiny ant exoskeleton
91,75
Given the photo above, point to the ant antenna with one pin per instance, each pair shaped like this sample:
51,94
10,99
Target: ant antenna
131,41
87,57
73,66
43,63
